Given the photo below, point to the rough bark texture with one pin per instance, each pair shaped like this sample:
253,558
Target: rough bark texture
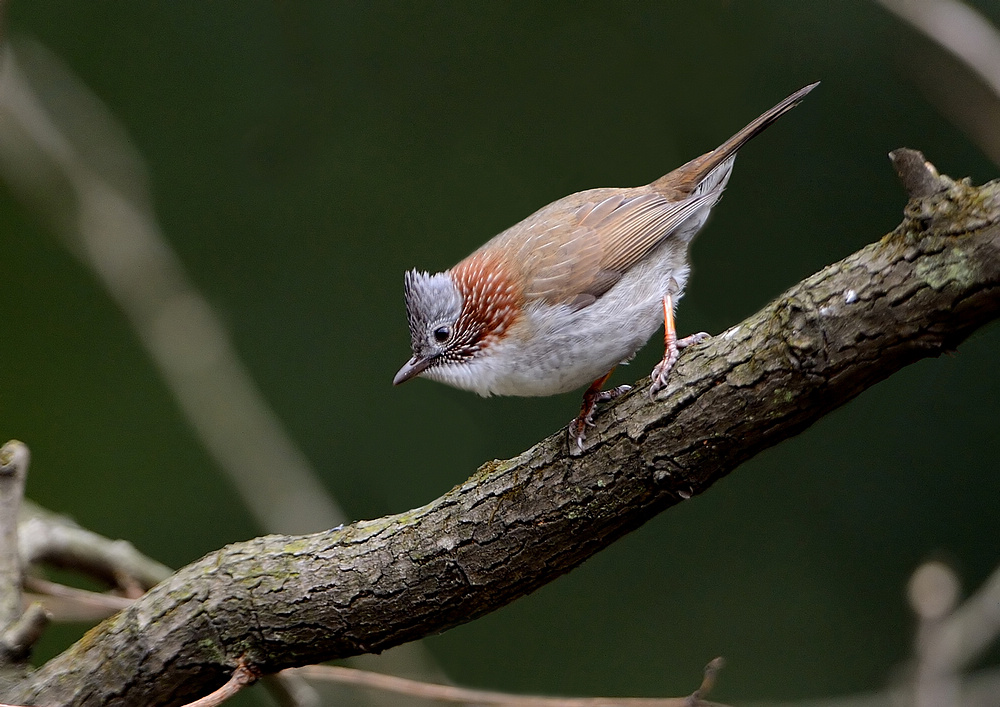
282,601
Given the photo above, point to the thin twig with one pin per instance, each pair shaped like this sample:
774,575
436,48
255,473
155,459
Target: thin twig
979,689
707,682
64,611
241,677
450,693
94,600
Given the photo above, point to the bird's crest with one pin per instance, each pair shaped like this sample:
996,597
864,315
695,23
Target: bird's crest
429,299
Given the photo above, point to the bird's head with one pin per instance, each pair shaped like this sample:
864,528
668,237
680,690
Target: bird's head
455,316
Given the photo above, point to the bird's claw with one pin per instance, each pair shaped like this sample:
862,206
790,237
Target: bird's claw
693,339
578,428
606,395
662,370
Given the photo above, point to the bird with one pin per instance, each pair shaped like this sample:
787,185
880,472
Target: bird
559,299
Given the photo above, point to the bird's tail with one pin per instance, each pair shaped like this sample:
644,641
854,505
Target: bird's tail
695,171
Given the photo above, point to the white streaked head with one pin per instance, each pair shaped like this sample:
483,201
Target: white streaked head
433,308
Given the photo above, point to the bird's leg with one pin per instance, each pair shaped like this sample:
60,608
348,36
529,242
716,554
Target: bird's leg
671,346
594,395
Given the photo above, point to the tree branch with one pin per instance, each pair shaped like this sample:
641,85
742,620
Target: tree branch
14,457
49,538
240,678
487,698
283,601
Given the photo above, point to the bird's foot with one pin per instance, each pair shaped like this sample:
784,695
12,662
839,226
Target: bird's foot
606,395
662,370
693,339
578,427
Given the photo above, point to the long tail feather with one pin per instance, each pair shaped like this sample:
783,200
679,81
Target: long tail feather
687,177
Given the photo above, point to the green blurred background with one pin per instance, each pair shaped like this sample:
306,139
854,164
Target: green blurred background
302,155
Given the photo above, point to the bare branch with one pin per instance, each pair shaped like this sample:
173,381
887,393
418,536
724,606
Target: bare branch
72,604
46,537
25,632
286,601
947,642
933,591
450,693
919,177
707,682
979,689
240,678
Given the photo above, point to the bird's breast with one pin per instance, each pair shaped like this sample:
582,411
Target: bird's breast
556,348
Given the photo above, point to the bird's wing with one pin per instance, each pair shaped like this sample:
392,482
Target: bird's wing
589,243
575,249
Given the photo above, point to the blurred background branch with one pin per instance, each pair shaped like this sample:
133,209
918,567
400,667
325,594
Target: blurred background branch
93,193
969,36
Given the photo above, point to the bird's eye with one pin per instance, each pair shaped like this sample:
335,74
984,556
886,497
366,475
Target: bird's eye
442,334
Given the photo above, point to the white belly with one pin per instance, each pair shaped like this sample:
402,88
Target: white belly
554,349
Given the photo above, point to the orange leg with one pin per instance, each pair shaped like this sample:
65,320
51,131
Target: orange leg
671,346
594,395
669,332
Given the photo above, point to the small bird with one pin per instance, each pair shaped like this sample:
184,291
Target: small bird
558,300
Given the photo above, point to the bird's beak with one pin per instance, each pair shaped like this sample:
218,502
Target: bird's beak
411,369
